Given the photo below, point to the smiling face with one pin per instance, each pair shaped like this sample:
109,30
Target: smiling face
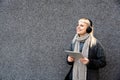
82,26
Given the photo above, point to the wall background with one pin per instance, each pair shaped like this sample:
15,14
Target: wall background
35,33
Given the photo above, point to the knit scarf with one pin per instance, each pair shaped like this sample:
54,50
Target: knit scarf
80,69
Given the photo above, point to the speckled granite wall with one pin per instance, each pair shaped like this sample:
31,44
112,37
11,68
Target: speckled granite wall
35,33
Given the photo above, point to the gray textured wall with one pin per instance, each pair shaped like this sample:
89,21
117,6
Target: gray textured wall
35,33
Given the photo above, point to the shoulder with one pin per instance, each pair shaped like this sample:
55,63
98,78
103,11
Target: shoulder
98,45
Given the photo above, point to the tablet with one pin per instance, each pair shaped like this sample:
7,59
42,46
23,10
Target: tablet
76,55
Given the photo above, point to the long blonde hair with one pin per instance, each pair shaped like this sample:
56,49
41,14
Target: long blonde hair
93,39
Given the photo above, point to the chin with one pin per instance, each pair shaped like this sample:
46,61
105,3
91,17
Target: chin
79,33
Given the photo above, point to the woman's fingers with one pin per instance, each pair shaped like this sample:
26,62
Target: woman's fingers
70,59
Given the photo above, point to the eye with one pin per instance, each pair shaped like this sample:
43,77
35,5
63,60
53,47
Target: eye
82,25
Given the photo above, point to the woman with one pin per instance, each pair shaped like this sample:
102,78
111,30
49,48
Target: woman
86,68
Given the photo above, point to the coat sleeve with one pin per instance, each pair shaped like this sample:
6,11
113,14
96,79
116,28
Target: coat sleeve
100,60
71,49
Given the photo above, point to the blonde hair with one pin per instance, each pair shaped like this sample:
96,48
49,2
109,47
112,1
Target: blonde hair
93,39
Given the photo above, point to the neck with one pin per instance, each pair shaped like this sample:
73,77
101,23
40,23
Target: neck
82,35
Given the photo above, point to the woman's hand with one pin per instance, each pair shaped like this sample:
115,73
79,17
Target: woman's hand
70,59
84,60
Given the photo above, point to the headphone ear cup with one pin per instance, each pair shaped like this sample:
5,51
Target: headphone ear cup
89,29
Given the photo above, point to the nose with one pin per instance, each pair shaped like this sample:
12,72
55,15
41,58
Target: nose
78,27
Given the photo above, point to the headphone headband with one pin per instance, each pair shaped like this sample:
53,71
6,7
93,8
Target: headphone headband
91,23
